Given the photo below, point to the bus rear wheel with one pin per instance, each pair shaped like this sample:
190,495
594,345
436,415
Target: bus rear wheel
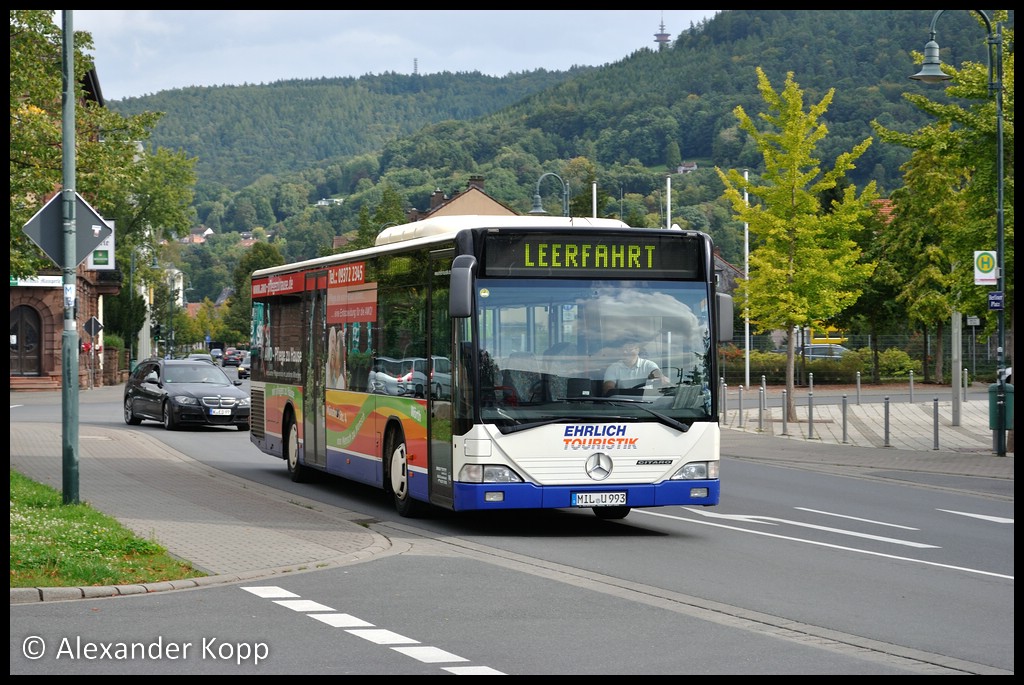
397,459
611,513
291,451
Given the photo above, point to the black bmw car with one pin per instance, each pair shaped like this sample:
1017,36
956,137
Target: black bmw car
184,392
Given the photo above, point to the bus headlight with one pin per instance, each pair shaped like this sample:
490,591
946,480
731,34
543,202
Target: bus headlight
482,473
697,470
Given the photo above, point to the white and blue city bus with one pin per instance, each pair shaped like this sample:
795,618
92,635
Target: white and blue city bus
527,314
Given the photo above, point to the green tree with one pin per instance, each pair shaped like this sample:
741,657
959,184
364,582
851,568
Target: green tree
237,320
390,209
953,165
136,190
673,157
924,210
366,232
124,315
805,269
878,311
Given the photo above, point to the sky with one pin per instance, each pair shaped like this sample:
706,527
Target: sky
141,52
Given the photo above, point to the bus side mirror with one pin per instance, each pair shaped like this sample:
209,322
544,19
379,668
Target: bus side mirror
725,326
460,294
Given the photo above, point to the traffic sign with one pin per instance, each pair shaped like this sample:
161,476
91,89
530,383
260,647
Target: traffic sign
985,267
46,229
995,300
93,326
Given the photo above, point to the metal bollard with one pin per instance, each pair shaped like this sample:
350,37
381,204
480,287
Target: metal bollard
887,421
810,381
764,393
810,416
739,421
784,412
858,388
935,421
725,400
760,411
911,386
844,420
965,383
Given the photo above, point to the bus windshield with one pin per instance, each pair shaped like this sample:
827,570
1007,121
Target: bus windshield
592,350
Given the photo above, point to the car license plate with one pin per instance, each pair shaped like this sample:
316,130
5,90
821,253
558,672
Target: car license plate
598,499
220,412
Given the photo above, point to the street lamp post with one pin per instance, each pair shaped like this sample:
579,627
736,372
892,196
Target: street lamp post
169,335
538,208
931,72
746,276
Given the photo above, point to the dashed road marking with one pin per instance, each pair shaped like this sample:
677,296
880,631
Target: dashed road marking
357,627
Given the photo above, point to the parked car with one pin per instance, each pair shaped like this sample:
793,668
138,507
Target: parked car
387,377
201,356
232,357
245,366
823,351
438,377
411,377
183,392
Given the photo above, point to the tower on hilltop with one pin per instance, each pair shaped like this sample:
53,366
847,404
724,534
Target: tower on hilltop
661,38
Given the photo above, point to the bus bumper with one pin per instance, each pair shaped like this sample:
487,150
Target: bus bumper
481,496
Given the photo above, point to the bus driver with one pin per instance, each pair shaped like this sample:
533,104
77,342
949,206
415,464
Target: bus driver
632,371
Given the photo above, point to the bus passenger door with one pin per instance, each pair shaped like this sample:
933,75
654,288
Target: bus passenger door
314,427
442,381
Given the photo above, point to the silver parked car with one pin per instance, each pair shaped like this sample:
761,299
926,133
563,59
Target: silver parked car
823,351
438,377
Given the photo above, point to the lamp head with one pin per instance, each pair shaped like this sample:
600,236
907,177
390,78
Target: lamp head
931,68
538,208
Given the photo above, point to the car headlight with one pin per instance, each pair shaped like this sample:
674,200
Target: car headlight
185,399
245,402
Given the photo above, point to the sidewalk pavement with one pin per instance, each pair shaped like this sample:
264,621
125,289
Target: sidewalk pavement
238,530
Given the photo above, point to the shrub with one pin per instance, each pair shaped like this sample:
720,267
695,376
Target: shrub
112,341
896,363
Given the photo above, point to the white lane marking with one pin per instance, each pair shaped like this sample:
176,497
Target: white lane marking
422,653
302,605
854,518
822,544
429,655
993,519
472,670
750,518
382,637
342,620
269,591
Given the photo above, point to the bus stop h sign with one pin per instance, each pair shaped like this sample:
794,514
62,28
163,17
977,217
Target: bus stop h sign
46,229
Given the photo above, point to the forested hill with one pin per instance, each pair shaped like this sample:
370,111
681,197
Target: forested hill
630,117
240,133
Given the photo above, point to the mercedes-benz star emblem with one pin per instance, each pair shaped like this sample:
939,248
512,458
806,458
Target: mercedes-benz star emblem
599,466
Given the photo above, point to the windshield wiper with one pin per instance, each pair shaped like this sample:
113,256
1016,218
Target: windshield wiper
619,402
667,420
519,426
